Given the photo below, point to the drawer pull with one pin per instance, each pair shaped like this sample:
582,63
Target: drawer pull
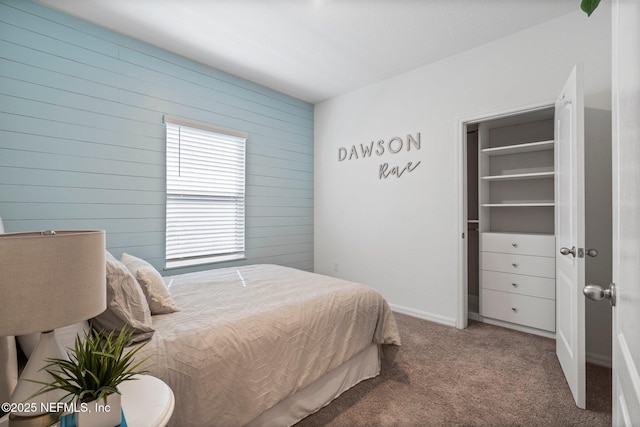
514,244
515,285
514,264
515,310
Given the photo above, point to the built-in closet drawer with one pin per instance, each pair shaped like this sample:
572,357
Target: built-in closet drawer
522,244
518,264
541,287
521,309
517,279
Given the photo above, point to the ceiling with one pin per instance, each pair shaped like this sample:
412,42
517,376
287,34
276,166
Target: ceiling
315,49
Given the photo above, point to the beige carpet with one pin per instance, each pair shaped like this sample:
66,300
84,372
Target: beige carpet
483,375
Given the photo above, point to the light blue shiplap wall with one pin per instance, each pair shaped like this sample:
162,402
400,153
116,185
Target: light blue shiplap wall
82,137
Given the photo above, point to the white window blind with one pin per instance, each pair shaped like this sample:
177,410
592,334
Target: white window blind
205,193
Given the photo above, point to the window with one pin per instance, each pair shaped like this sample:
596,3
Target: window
205,193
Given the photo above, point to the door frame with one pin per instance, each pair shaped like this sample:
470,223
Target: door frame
626,396
462,315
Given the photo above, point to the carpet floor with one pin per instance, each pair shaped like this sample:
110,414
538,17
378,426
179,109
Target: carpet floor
480,376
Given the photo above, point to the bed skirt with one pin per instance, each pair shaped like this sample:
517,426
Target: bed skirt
320,393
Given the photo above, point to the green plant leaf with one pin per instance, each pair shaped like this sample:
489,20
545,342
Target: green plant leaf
96,366
588,6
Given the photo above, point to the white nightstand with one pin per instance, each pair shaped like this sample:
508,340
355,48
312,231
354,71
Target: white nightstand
146,402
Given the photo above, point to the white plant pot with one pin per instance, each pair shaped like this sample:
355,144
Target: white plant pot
98,414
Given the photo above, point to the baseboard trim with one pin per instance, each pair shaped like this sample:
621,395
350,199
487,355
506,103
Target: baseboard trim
520,328
423,315
599,359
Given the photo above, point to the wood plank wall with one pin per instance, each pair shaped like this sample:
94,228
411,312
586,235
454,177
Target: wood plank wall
82,142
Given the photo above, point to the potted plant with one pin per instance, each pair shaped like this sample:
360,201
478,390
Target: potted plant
96,366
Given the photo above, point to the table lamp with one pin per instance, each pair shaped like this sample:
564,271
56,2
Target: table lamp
47,280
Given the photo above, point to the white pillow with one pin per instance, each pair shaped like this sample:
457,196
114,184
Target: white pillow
126,304
155,291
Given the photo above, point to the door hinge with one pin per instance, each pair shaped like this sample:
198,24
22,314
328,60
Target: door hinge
463,235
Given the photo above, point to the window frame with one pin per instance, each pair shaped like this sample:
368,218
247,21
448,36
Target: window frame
189,195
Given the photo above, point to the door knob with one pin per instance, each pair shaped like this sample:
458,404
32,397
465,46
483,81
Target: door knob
592,252
596,293
567,251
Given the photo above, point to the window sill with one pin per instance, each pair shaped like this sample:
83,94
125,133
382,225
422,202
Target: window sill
170,265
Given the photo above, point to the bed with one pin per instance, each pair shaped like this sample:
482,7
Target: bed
259,345
265,344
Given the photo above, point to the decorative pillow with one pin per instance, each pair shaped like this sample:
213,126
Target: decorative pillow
153,287
126,304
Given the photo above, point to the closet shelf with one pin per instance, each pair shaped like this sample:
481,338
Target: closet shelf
510,177
519,204
519,148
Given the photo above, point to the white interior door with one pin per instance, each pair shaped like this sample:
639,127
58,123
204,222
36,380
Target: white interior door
626,211
569,222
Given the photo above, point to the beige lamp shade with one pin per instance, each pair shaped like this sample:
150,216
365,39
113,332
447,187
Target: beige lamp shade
49,280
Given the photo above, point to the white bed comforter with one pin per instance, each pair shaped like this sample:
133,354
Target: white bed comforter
248,337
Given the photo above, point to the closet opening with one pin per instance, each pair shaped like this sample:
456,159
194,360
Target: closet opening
509,266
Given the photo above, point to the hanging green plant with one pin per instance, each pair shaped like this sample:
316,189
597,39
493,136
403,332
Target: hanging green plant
588,6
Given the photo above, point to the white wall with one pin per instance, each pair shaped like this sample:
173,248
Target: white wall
401,235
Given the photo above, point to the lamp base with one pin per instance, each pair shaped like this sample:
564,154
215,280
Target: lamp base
42,420
29,385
